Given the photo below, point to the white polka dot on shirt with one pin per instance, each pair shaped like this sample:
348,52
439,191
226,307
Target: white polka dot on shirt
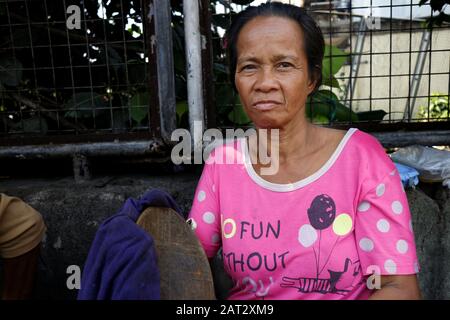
380,189
209,217
364,206
215,238
393,172
383,225
201,196
307,235
397,207
402,246
366,244
390,266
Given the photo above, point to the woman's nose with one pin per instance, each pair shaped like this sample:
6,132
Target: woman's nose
266,81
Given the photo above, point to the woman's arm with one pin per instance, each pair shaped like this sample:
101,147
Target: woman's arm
404,287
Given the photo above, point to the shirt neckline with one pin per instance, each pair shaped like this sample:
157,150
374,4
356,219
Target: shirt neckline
286,187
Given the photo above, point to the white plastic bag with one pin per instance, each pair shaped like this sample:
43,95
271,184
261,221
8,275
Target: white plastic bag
432,164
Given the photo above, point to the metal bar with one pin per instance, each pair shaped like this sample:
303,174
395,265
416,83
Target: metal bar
158,35
50,48
71,73
165,68
402,139
8,14
390,64
125,55
340,13
409,65
123,64
194,70
152,70
371,58
430,50
415,80
349,87
33,60
315,4
355,63
448,91
108,72
118,148
151,147
88,53
207,64
117,44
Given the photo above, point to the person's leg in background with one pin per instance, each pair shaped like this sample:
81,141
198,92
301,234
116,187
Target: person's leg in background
21,232
19,275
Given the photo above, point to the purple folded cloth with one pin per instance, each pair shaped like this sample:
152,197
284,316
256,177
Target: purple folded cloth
121,264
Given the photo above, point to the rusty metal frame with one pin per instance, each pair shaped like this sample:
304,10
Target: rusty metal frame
207,65
161,86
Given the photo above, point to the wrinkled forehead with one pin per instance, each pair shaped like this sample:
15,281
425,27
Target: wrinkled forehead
277,35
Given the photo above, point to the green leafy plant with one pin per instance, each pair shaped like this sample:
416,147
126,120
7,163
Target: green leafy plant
437,110
324,107
139,107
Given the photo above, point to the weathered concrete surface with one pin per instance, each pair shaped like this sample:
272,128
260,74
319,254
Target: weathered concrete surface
443,199
427,226
74,211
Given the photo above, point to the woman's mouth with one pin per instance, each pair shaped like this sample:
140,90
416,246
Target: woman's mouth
265,105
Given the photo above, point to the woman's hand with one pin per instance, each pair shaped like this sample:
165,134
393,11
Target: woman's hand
403,287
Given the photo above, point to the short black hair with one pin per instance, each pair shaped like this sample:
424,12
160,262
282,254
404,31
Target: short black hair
313,38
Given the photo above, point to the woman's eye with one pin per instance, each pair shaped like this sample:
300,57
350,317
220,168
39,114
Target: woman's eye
284,65
248,67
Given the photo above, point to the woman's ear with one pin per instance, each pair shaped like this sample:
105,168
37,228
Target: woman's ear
313,79
311,85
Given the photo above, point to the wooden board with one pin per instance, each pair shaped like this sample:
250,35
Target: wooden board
183,265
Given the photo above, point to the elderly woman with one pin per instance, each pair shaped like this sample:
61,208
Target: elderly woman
333,222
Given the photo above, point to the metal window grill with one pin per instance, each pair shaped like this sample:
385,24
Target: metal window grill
385,70
101,81
87,80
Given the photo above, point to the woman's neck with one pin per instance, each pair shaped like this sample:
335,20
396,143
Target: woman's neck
292,141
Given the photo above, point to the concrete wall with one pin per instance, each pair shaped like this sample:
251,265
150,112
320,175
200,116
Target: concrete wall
74,211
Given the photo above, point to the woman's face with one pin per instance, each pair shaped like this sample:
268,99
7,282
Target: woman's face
272,71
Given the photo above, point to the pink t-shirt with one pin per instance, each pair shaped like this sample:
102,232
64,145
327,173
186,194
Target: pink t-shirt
318,238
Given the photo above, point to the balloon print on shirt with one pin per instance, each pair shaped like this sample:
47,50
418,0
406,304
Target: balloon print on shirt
322,216
322,212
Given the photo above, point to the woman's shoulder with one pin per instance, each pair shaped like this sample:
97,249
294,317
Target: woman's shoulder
366,140
368,146
355,141
368,154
